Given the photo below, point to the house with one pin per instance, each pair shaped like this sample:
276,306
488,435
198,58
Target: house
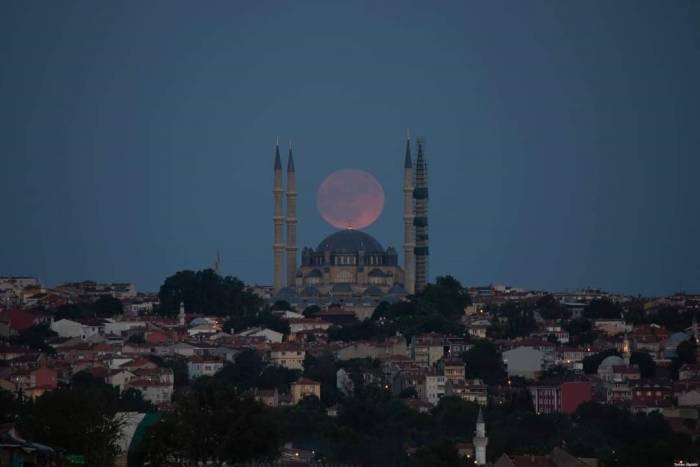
304,387
119,378
557,458
70,328
452,368
651,392
154,392
287,355
523,361
305,324
689,371
431,388
373,349
269,397
560,397
203,366
418,405
471,390
479,328
270,335
13,321
427,349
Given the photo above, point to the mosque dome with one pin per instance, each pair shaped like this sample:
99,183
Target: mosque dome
609,362
350,241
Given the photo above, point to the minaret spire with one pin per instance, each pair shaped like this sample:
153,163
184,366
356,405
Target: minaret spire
409,238
278,220
420,221
480,440
291,220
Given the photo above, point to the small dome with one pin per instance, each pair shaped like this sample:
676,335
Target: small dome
397,289
676,338
286,292
609,362
373,291
350,241
315,273
310,291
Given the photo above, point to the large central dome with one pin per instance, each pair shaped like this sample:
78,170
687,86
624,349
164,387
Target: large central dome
350,241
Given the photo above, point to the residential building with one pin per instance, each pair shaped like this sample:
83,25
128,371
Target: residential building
304,387
203,366
288,355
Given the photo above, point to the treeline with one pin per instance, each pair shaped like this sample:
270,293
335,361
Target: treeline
80,419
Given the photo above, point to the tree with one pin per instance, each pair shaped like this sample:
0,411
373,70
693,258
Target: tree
35,337
136,339
602,309
281,305
107,306
213,423
549,308
207,292
311,310
686,352
447,296
244,372
646,364
485,362
441,453
79,421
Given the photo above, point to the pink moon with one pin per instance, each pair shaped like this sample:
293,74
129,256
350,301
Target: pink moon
350,199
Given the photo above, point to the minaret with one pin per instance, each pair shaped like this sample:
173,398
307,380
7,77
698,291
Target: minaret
626,350
217,263
480,440
420,221
291,220
408,233
181,314
278,220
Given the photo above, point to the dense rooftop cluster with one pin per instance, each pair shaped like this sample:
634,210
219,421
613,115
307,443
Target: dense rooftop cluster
322,384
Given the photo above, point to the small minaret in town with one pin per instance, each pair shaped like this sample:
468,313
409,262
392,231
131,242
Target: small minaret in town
409,237
291,220
278,220
480,440
626,350
694,328
420,221
181,314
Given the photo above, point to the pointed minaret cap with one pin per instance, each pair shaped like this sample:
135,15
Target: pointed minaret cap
420,162
278,162
407,162
290,162
480,417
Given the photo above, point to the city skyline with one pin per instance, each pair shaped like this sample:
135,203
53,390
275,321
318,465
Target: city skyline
558,161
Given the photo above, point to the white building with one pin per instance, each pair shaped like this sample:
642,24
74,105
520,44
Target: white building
270,335
288,355
70,328
432,388
203,366
152,391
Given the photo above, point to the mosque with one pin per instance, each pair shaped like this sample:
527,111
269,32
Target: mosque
350,267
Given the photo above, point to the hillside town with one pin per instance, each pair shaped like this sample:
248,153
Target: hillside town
547,354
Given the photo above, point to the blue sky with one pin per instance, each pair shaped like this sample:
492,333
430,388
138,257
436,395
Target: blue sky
137,138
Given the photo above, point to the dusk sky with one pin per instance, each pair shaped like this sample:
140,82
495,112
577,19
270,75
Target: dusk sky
137,138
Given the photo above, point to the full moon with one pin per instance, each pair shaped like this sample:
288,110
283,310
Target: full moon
350,199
